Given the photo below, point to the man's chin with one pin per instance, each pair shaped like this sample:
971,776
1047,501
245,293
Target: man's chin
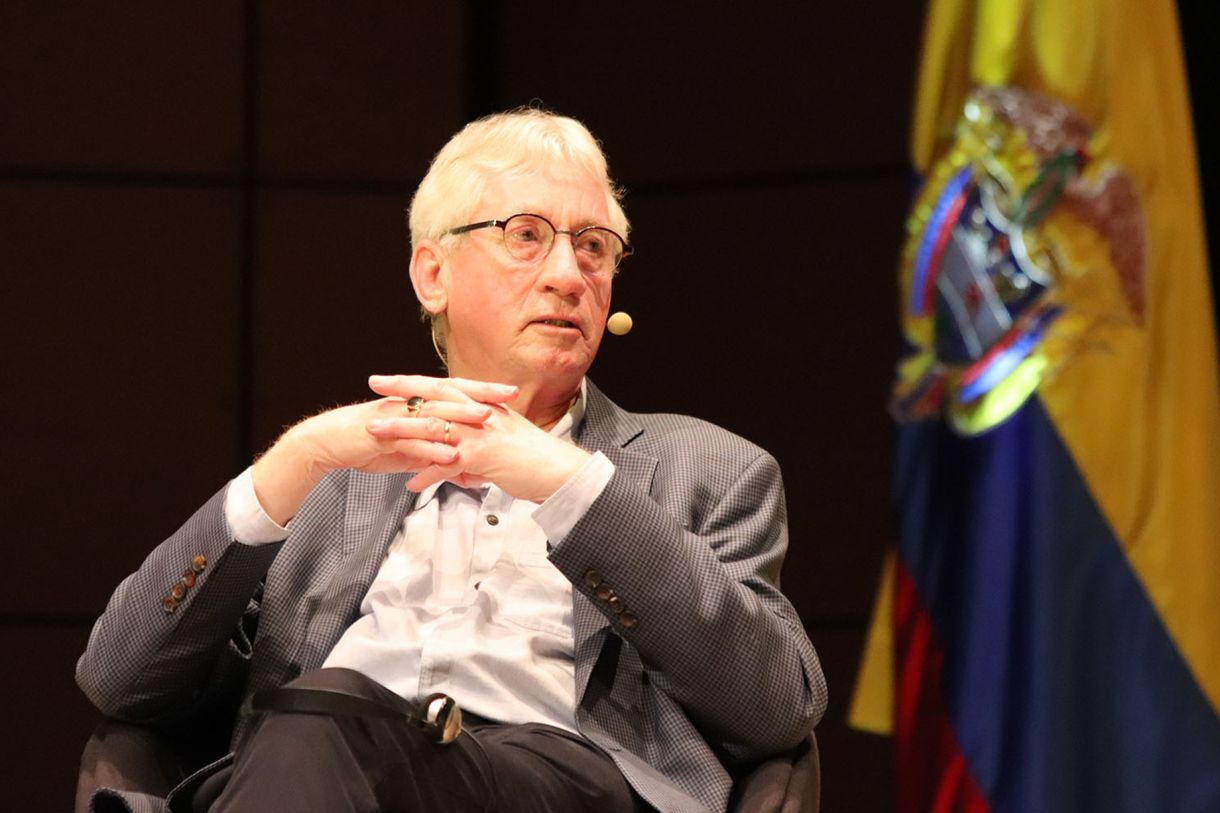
551,362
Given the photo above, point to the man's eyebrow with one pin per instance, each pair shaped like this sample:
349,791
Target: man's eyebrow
577,226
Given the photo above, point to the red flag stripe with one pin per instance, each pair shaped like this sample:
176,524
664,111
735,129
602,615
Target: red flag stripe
931,772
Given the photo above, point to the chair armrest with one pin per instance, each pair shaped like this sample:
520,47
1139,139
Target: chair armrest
791,783
128,757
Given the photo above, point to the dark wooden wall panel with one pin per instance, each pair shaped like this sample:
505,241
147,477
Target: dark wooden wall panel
368,92
46,718
122,305
857,768
334,303
141,85
697,91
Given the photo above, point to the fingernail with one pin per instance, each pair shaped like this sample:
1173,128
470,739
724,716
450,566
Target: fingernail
379,379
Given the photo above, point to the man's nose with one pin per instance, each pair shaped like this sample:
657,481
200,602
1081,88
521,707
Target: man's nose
561,270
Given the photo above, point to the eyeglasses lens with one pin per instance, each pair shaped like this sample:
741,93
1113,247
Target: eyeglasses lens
529,238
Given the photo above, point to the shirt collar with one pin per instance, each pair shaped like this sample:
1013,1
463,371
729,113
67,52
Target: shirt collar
564,429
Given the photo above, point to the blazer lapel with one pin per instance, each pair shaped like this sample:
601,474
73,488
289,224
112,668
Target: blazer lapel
376,505
606,429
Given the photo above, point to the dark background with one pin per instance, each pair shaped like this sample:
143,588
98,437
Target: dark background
201,240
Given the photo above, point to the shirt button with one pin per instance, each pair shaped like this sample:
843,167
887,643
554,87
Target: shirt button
492,519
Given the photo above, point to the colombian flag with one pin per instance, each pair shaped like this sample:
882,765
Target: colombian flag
1047,633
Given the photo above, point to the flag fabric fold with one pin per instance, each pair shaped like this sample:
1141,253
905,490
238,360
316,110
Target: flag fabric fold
1047,632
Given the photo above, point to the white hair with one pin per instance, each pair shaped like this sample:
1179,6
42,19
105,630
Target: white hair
520,140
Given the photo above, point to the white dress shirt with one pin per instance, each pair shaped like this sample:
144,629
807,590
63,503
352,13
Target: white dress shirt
466,602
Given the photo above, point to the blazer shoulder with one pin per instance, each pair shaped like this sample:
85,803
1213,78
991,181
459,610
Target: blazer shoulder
666,434
664,429
692,446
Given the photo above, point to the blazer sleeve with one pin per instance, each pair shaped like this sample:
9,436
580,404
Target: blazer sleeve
697,589
155,657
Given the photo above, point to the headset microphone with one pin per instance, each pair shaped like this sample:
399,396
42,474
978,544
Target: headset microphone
619,324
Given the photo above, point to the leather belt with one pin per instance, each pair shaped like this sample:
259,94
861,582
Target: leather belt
438,716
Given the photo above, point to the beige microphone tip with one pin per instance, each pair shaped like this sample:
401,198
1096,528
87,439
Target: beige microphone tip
619,323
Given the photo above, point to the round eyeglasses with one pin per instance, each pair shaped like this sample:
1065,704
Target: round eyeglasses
529,238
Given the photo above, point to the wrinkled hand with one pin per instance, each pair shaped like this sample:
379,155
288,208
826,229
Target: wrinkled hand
505,448
376,436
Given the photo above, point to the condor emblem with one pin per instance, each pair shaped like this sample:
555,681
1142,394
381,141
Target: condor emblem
1014,231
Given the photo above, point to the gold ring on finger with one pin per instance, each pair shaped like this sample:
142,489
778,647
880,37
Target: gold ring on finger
414,404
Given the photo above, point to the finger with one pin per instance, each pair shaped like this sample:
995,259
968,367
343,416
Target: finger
473,414
486,392
426,422
430,476
391,428
468,480
422,454
427,387
442,389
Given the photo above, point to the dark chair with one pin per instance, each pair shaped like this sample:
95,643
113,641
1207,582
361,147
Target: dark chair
791,783
135,758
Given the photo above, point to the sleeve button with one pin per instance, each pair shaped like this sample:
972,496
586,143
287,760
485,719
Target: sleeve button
169,604
628,619
593,579
199,563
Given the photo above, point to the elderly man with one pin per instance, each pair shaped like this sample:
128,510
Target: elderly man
597,589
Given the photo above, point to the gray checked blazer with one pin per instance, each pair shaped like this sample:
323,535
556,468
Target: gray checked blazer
701,667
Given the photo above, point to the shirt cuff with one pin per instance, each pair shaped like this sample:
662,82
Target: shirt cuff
248,522
558,515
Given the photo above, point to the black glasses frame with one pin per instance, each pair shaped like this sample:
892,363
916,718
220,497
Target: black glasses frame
574,235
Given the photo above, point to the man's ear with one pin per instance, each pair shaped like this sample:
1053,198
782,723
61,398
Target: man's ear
429,276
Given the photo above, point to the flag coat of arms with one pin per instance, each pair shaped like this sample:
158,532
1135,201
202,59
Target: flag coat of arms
1046,636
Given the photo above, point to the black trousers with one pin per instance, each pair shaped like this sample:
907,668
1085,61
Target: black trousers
312,762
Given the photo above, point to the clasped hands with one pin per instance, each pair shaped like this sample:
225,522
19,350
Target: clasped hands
464,433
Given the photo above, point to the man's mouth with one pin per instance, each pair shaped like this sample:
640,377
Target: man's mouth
558,323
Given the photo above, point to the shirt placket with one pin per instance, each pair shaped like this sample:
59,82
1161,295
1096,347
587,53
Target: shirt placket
453,558
461,567
491,530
